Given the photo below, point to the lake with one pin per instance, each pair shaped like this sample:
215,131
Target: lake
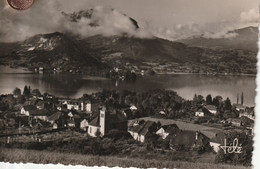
186,85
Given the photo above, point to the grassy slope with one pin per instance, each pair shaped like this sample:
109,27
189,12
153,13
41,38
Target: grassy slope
43,157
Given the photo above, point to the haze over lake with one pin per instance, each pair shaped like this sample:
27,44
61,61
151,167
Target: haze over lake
186,85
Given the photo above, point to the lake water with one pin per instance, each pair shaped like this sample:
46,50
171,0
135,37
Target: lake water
186,85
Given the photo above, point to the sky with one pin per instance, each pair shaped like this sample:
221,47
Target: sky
169,19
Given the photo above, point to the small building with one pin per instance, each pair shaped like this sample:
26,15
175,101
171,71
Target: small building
73,104
217,141
142,131
57,119
234,122
199,113
211,108
84,124
249,113
94,127
42,105
40,114
239,107
133,108
189,139
25,110
165,130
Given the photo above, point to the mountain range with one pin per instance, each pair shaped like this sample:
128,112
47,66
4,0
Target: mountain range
244,38
98,54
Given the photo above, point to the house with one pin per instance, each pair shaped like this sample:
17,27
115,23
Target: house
162,112
127,113
84,124
105,122
234,122
85,106
165,130
25,110
249,113
94,127
133,108
199,113
40,114
239,107
217,141
211,108
189,139
143,131
73,104
42,105
57,119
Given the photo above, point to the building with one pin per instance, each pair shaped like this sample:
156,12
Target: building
106,121
85,106
249,113
239,107
165,130
211,108
40,114
25,110
73,104
43,105
84,124
234,122
199,113
143,131
58,120
189,139
217,141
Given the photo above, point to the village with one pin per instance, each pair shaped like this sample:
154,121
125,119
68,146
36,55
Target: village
156,119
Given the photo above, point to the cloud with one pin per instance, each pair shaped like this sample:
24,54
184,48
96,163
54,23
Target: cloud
222,34
105,21
251,16
44,17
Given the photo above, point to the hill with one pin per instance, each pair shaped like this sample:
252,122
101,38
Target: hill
244,38
55,50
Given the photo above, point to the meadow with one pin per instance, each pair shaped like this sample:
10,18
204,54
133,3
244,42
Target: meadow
44,157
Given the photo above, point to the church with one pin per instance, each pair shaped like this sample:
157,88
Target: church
105,122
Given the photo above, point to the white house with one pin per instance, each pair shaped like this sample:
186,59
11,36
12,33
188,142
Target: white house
239,107
73,105
211,108
25,110
165,130
84,125
94,127
143,131
199,113
133,108
217,141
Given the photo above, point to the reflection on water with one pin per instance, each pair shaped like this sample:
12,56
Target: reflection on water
185,85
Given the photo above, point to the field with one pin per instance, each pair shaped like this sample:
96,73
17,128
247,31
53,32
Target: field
208,131
43,157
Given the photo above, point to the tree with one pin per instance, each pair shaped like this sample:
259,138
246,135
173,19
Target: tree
242,98
227,104
36,92
209,99
237,98
17,92
26,91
